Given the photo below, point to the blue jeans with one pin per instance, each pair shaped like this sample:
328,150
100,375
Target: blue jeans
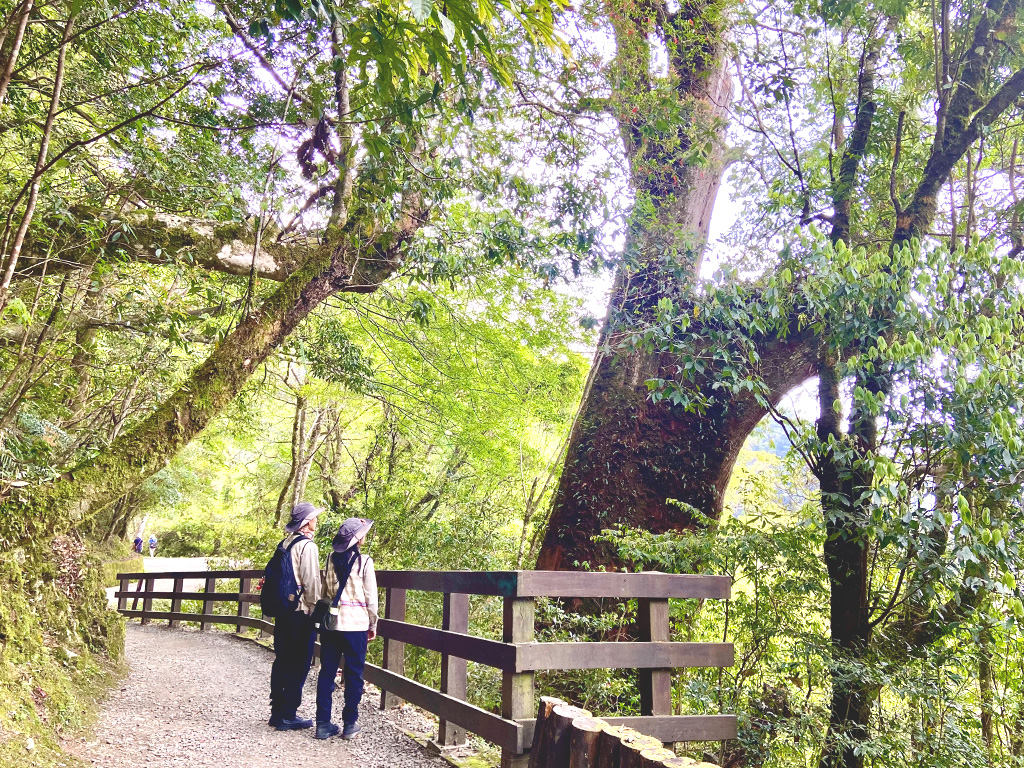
294,642
334,646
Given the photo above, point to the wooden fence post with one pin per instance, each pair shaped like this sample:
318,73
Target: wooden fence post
147,601
140,587
454,682
211,587
517,688
244,585
179,587
122,602
394,652
655,684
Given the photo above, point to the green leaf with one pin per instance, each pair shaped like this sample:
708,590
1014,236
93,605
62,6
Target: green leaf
421,9
447,27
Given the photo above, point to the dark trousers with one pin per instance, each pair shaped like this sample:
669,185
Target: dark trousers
335,646
294,641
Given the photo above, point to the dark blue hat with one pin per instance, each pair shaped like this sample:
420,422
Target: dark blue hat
302,512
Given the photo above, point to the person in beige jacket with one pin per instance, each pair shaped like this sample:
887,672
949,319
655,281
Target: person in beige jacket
350,579
294,639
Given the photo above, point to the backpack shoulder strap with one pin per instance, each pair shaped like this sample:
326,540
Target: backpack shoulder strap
340,571
295,541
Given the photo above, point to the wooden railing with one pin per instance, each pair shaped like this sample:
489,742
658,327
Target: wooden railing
517,655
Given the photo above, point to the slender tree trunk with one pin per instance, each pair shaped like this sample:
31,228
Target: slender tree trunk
846,559
298,427
985,690
37,173
83,360
308,450
12,57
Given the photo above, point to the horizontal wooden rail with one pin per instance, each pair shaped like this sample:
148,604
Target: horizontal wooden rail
507,734
211,597
242,574
209,618
560,584
517,655
537,656
491,653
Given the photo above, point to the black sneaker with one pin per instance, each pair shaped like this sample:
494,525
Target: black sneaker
295,724
351,731
326,730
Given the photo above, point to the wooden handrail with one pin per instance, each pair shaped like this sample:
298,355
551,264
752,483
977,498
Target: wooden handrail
560,584
517,655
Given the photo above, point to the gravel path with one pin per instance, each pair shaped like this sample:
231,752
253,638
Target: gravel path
201,699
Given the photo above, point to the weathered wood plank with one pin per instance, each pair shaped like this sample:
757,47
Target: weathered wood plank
655,684
122,595
622,585
517,688
211,597
394,651
244,585
489,652
179,586
499,583
255,573
538,656
454,673
147,602
668,729
211,588
504,733
211,618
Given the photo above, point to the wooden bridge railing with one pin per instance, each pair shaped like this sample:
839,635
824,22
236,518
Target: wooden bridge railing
517,655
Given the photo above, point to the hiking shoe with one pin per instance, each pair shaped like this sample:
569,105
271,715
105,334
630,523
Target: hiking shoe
351,731
295,724
326,730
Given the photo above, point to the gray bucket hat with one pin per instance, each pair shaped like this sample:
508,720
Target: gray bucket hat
350,532
302,512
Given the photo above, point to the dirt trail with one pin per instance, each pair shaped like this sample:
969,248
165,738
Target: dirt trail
201,699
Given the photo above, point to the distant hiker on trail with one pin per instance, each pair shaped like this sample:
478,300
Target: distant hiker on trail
152,545
348,625
137,544
291,589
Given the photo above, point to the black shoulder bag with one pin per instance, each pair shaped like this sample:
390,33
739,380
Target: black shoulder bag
323,619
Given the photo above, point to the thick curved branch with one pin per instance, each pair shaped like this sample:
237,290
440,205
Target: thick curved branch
148,447
965,118
159,238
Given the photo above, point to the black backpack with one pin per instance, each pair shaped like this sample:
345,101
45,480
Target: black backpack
281,590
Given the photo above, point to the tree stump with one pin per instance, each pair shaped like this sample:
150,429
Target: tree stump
609,742
583,744
655,757
538,752
632,747
558,731
681,762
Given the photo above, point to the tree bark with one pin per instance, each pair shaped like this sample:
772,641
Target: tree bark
12,58
627,456
166,239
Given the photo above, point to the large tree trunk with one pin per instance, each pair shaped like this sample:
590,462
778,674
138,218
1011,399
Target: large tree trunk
627,456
